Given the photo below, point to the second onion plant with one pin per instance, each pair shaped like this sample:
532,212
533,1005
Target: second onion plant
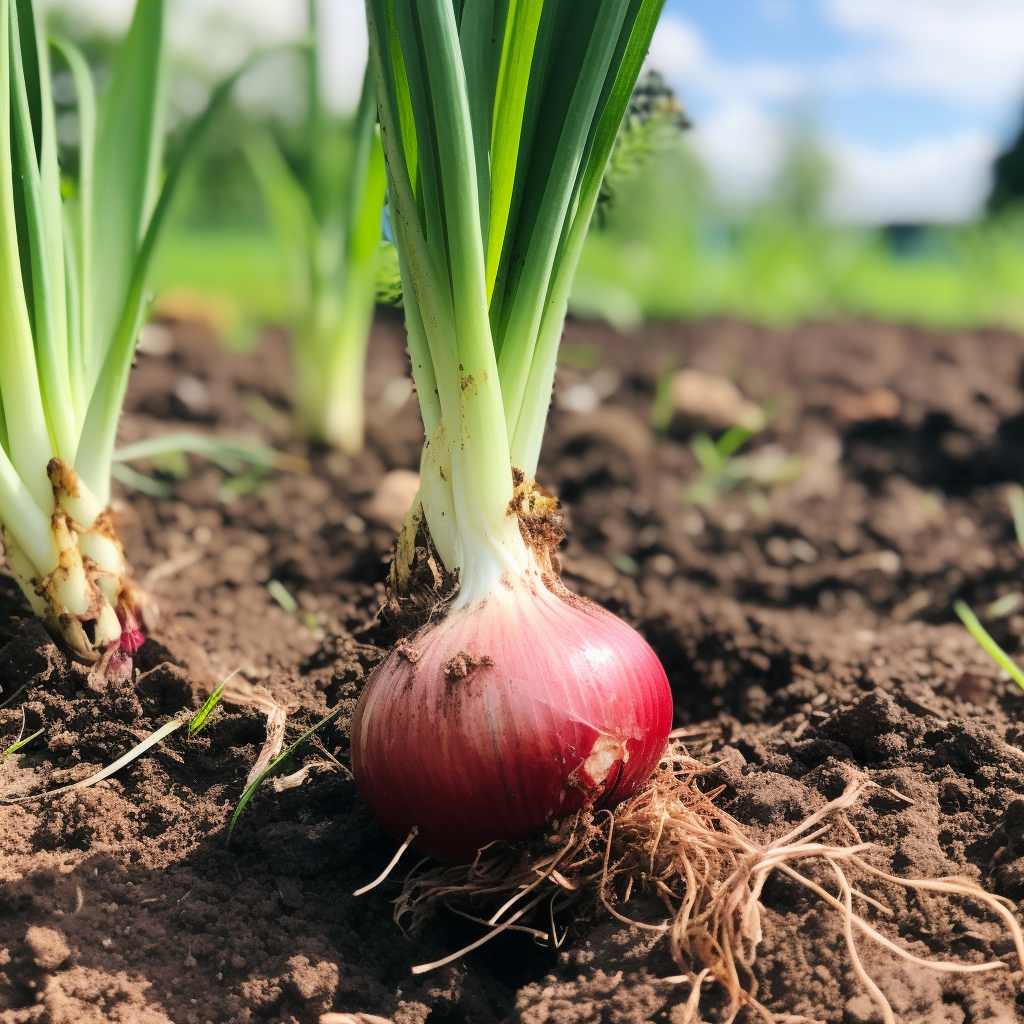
329,218
72,300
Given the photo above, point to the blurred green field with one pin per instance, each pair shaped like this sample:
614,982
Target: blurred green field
242,267
661,249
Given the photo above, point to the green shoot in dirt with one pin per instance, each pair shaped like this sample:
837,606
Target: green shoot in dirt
195,722
72,299
329,219
21,741
1016,498
723,470
276,763
246,462
984,638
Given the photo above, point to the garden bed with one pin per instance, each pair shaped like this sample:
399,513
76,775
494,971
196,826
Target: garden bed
806,630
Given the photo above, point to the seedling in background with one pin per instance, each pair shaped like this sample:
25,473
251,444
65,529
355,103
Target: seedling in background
247,463
21,741
723,470
329,220
1016,496
991,648
72,298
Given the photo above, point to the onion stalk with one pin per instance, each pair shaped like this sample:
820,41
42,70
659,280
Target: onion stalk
519,701
72,300
330,221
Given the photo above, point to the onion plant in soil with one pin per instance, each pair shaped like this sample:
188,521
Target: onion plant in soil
516,702
72,299
327,215
515,705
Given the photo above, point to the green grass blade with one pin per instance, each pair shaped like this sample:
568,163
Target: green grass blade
366,181
229,455
20,744
125,759
343,414
80,212
201,718
274,765
991,648
520,37
97,442
127,164
146,484
732,441
51,350
28,446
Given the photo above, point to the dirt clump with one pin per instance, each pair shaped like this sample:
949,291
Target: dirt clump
804,622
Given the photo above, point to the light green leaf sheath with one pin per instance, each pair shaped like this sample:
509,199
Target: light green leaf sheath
497,124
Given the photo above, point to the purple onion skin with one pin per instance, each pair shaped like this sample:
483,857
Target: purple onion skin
523,707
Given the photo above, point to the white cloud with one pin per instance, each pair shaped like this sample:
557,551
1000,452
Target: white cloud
677,49
938,180
970,51
343,60
741,147
679,52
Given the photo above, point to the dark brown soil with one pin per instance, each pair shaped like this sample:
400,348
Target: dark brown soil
806,630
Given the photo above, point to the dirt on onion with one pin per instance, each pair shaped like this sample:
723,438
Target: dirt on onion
810,645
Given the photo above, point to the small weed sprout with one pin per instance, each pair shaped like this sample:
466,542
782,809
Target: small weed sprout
722,470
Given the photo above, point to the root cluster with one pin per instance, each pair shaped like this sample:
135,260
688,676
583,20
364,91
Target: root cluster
673,841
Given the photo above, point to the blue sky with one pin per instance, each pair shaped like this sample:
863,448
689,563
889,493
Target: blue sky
912,98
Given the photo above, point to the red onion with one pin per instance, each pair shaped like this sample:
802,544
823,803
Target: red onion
518,708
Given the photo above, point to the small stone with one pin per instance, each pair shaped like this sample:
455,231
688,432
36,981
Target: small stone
971,688
290,893
393,497
49,948
861,1010
713,401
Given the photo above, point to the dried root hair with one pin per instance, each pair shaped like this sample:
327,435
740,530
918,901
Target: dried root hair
672,840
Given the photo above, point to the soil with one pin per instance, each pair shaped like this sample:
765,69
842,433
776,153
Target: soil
806,628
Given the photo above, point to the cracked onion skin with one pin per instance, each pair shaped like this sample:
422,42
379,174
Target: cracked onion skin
522,707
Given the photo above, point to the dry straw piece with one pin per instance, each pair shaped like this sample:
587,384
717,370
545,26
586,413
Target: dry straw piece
672,840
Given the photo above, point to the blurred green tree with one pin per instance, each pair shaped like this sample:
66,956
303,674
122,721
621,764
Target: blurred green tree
1008,176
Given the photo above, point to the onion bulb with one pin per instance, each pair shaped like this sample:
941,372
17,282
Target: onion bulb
524,706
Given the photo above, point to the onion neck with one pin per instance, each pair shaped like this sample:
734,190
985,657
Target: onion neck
466,493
